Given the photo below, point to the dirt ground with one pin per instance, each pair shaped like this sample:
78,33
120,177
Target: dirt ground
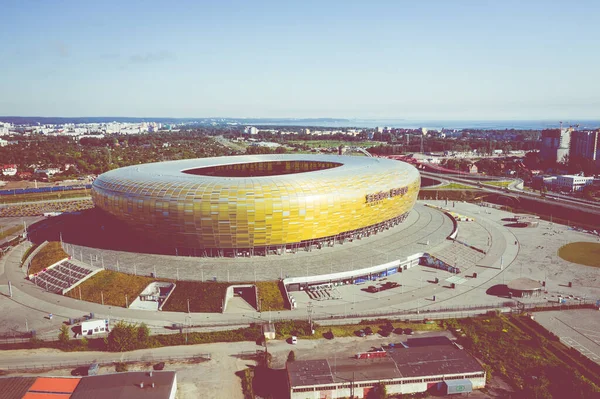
216,378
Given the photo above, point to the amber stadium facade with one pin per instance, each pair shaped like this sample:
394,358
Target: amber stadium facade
258,204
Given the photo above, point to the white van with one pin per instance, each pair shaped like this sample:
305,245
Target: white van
294,340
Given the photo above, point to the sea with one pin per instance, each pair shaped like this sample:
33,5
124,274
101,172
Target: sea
438,124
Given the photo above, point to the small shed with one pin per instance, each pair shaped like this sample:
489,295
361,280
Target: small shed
458,386
269,330
525,287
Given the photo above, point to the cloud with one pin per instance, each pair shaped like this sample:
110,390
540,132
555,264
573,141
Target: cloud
110,56
150,57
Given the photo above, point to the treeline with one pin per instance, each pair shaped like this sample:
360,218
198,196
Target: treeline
95,156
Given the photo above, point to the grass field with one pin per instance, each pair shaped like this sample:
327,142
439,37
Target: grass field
501,183
9,231
204,297
583,253
113,285
270,295
350,330
333,143
47,256
531,363
454,186
11,199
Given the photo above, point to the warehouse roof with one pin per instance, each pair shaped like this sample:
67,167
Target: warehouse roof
126,386
431,356
15,387
112,386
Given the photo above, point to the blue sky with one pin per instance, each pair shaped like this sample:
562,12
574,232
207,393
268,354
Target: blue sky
434,60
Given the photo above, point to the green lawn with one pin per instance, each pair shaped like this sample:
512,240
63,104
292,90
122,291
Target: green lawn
498,183
454,186
333,143
9,231
583,253
203,296
47,256
113,285
10,199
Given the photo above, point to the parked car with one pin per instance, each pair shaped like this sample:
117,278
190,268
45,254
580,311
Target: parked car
294,340
361,333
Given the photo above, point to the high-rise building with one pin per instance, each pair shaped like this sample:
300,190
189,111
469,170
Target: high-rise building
555,144
586,144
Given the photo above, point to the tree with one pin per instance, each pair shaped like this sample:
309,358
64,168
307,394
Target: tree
379,391
143,334
125,337
64,336
291,356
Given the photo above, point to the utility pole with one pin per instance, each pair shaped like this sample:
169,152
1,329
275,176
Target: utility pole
309,310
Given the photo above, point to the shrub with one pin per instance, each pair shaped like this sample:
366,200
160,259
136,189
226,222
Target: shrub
126,337
121,367
64,336
291,356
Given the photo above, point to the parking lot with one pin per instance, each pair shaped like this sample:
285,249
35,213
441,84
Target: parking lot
579,329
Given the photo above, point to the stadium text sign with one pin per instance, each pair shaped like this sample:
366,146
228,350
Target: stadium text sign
394,192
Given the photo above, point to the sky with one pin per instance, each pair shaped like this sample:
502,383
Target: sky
434,60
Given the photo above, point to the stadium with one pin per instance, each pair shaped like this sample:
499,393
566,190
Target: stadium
258,205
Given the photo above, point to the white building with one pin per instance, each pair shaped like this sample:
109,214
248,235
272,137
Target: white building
250,130
3,143
572,183
9,170
47,171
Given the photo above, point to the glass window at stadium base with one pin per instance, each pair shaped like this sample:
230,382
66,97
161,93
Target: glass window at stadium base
246,205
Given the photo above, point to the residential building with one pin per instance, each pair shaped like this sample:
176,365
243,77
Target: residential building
555,144
586,144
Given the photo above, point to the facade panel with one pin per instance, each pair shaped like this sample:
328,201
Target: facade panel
217,212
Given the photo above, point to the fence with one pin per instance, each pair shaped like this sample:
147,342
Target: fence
106,362
52,189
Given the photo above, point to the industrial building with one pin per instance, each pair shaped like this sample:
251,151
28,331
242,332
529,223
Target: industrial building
267,204
417,365
131,385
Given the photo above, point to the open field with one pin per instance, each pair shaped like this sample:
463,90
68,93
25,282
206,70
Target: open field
333,143
8,231
455,186
535,365
202,296
583,253
270,295
502,183
11,199
47,256
39,208
113,286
